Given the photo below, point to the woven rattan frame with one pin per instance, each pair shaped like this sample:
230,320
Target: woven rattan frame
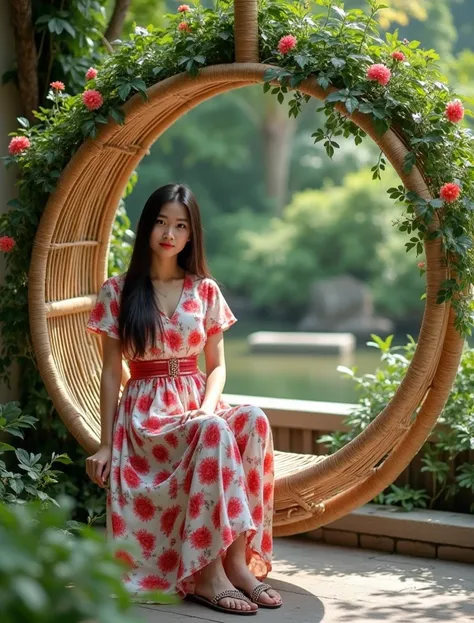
69,263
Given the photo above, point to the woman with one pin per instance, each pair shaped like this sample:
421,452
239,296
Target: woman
191,479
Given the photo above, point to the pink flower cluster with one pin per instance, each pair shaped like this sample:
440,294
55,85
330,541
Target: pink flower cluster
286,44
18,144
91,73
183,27
183,8
454,111
58,85
398,56
6,244
379,73
92,99
449,192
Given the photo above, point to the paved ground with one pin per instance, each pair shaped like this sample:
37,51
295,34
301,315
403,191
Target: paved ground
333,584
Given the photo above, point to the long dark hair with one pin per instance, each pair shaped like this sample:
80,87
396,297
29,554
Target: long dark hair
138,318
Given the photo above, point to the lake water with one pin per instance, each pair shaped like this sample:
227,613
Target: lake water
304,377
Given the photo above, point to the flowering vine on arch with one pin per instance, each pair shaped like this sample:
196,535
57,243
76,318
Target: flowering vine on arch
393,81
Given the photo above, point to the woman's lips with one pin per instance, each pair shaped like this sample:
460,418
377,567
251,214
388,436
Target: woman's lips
166,245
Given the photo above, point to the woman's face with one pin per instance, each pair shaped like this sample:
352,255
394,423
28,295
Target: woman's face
172,230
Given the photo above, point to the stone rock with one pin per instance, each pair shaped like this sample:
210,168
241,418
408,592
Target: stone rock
343,303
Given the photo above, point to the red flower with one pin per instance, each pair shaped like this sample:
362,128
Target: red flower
118,525
116,473
267,492
114,309
173,490
131,477
151,424
193,430
227,536
168,519
191,305
183,27
449,192
257,514
216,514
267,463
98,312
58,85
195,504
154,583
6,244
171,439
454,111
173,339
91,73
146,539
201,538
168,561
169,398
212,436
140,464
188,480
144,403
144,508
118,437
208,470
421,265
18,144
92,99
161,453
227,476
267,542
380,73
161,477
184,8
240,423
194,338
242,442
125,557
253,481
398,56
234,507
261,425
286,44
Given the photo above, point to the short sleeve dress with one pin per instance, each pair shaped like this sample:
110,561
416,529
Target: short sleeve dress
182,489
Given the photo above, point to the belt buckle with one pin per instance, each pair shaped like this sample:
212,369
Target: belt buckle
173,367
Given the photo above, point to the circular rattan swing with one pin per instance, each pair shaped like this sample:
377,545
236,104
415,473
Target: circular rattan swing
69,263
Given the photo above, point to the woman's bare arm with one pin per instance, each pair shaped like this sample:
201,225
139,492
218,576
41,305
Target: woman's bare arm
215,371
109,386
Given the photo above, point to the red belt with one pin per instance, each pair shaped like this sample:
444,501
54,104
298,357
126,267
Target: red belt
163,367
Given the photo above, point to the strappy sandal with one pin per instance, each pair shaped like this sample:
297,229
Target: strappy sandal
255,594
213,603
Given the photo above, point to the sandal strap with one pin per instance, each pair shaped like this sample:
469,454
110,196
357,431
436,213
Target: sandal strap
258,590
230,593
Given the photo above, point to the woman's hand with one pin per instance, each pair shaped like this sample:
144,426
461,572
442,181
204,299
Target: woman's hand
98,466
200,412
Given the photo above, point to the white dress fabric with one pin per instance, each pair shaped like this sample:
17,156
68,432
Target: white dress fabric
182,489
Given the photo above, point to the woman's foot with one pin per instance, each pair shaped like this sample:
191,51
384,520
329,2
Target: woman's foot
241,577
213,580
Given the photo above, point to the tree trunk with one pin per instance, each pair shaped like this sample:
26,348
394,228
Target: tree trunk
114,29
278,130
27,61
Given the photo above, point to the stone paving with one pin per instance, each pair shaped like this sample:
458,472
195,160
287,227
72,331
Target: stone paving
329,584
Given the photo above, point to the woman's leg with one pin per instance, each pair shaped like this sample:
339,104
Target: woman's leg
239,574
212,580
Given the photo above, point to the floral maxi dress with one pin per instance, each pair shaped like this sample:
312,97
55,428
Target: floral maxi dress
182,489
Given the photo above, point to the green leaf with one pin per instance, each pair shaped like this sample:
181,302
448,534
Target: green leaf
124,91
5,447
23,122
338,62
